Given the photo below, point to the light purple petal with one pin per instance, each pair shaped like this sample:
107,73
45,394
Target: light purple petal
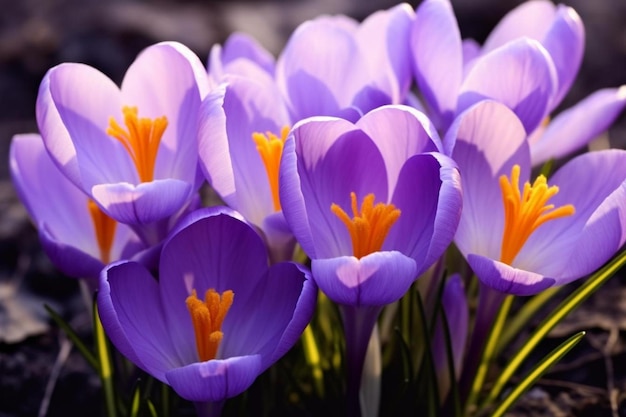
229,154
377,279
565,42
230,256
519,74
86,118
471,51
145,203
577,245
384,41
168,79
278,237
438,58
530,19
323,146
215,380
132,316
242,46
399,132
578,125
489,140
507,279
316,70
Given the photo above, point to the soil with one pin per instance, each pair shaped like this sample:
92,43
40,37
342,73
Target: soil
38,34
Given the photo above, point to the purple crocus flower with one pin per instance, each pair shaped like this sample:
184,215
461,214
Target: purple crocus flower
528,62
242,132
76,235
373,204
216,318
131,149
240,55
520,235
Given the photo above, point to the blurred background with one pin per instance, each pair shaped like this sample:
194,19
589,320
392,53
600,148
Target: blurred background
38,34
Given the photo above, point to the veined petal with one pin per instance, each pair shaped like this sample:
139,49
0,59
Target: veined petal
377,279
506,279
436,45
429,199
215,380
168,79
519,74
399,132
322,147
132,316
489,140
144,203
577,126
531,19
232,256
85,118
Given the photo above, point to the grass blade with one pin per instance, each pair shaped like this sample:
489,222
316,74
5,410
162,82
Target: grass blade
537,372
106,368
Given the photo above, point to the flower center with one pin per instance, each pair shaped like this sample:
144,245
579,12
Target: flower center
525,212
270,148
104,227
207,317
368,227
141,139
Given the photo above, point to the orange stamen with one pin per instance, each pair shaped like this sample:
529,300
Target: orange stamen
369,227
104,227
270,148
525,212
141,140
207,318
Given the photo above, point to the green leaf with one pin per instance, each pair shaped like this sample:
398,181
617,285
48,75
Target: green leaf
537,372
563,309
106,368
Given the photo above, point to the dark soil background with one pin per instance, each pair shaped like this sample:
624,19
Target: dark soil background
37,34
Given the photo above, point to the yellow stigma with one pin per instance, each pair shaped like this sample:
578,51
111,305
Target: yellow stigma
270,148
369,227
207,318
525,212
141,140
104,227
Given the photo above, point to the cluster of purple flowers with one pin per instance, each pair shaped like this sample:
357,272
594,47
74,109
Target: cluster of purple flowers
370,146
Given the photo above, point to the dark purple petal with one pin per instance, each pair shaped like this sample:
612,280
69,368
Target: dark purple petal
145,203
132,316
578,125
429,197
506,279
376,279
271,320
519,74
438,58
209,249
215,380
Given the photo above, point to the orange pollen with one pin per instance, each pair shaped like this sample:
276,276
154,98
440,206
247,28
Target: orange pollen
141,140
207,318
270,148
524,212
104,226
368,227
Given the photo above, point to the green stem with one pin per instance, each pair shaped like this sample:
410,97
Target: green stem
312,357
106,368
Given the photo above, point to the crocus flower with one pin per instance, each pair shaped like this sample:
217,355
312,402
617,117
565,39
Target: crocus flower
76,235
528,62
131,149
216,318
242,132
373,204
521,235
